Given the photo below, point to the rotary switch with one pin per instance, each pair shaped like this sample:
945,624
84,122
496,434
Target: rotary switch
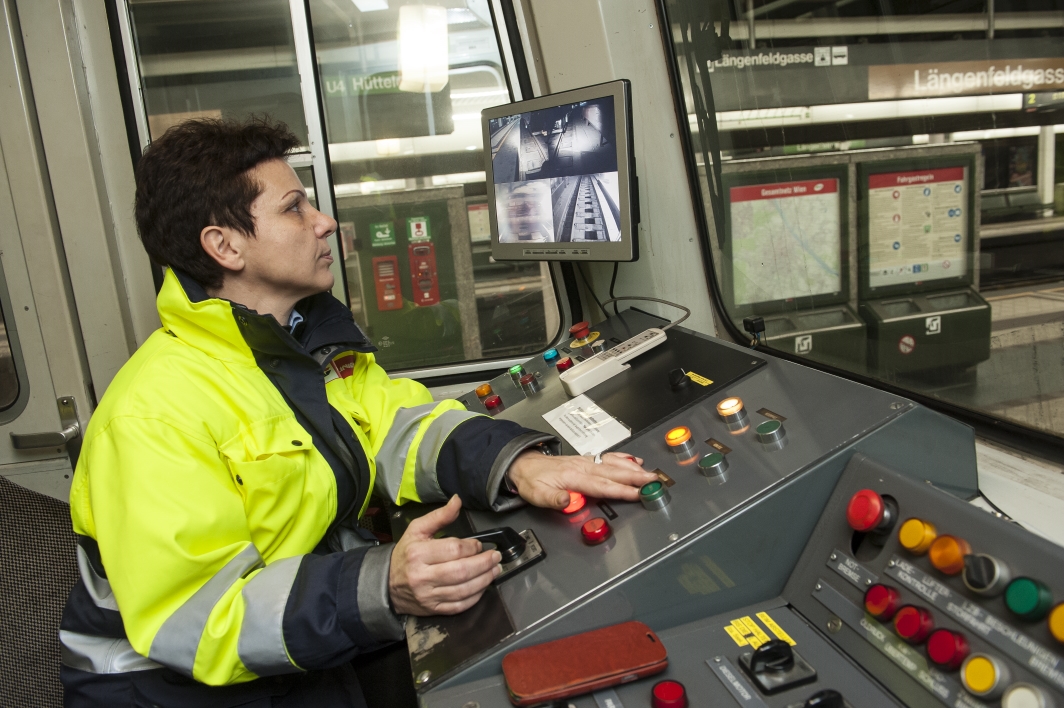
985,574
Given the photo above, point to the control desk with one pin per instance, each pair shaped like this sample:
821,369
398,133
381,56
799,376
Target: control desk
808,544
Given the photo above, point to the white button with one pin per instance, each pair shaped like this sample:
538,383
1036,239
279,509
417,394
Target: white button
1024,695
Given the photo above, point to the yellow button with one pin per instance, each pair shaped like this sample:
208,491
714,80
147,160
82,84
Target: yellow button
947,554
980,674
1056,622
677,436
916,535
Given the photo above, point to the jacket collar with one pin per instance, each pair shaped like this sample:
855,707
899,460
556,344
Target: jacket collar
229,331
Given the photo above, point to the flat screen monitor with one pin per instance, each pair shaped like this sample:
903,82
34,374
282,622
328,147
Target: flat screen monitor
560,177
916,225
786,239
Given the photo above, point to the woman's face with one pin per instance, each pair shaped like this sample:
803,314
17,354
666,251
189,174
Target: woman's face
289,254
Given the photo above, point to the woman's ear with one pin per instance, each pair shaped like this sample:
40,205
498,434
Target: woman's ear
225,246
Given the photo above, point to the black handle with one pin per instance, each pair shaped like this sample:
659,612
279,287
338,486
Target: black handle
828,698
506,541
773,655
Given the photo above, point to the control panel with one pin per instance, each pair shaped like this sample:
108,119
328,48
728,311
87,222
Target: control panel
747,450
903,596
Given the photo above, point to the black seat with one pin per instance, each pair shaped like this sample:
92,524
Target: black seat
38,566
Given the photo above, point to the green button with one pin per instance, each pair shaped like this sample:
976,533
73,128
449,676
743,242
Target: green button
711,460
516,369
769,427
651,491
1028,598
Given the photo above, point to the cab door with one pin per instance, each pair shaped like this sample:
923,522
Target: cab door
43,381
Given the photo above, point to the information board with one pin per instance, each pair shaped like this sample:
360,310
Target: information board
917,226
786,240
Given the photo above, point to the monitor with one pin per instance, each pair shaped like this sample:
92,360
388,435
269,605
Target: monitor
785,245
916,225
560,176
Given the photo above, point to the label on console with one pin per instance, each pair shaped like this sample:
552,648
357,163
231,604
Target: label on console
853,571
1006,638
585,426
718,446
736,684
769,414
904,656
606,698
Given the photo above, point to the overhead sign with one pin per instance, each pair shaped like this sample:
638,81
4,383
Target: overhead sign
964,78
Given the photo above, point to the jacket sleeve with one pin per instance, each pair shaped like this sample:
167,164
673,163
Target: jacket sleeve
425,451
193,590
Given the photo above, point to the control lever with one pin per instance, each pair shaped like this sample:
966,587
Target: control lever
828,698
506,541
773,655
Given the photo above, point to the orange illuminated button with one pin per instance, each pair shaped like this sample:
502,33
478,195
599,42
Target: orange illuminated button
947,554
731,409
1056,622
866,511
576,503
947,649
913,624
917,535
882,601
595,530
679,439
483,391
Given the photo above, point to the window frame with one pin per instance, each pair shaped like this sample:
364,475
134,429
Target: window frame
1005,432
519,83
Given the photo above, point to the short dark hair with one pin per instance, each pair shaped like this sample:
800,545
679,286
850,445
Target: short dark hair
196,175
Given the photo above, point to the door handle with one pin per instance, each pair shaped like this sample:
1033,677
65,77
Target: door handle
68,416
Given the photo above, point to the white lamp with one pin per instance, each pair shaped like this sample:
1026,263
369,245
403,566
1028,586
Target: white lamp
423,62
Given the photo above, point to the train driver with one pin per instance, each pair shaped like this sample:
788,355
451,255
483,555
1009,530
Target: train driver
217,498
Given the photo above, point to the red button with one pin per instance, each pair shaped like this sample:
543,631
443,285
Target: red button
668,694
947,649
580,329
564,364
596,530
527,379
865,510
492,402
913,624
576,503
882,602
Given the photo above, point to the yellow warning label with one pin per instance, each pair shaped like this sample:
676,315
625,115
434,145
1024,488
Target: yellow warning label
736,635
700,380
775,628
755,628
747,634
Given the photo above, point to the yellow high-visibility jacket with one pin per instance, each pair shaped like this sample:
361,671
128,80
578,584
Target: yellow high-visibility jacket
218,490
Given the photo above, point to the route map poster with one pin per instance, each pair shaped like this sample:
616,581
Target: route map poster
917,226
786,240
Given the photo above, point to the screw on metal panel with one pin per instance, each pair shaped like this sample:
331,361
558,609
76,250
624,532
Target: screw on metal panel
890,563
834,556
471,704
716,659
834,625
674,537
868,581
424,677
818,586
896,405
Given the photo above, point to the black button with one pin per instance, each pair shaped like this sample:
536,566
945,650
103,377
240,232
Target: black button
297,443
239,481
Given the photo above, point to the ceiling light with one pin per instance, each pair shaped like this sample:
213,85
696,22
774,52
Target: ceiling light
370,5
423,61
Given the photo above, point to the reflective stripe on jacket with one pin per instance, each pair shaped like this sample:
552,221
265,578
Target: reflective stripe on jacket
221,479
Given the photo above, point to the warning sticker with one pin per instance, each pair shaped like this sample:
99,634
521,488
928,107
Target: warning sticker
775,628
698,379
745,631
906,344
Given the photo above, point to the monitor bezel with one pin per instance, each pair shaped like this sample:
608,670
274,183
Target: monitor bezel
775,176
627,248
912,164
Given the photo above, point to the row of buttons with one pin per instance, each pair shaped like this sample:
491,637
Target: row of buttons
1027,598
